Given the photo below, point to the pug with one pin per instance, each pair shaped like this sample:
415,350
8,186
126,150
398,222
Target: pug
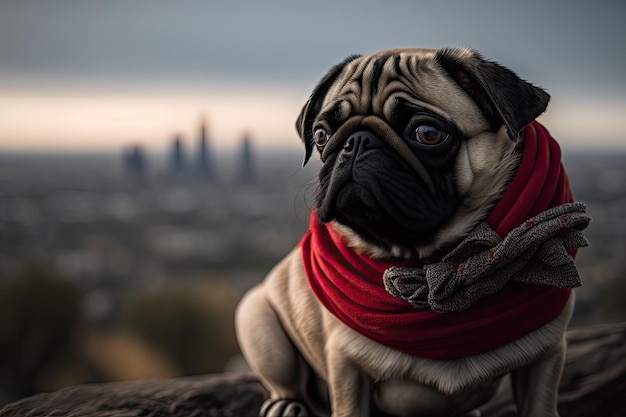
426,277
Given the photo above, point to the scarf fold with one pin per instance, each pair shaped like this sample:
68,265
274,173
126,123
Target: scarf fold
351,285
537,252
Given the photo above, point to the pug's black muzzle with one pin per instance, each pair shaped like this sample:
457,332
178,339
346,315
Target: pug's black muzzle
377,186
348,183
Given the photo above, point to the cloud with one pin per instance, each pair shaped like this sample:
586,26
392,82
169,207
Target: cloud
274,40
250,64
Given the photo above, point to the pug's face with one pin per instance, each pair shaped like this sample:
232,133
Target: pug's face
416,145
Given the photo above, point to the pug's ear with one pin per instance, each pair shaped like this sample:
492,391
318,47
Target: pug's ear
503,97
311,109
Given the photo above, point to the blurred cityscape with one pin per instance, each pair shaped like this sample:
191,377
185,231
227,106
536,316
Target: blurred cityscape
130,265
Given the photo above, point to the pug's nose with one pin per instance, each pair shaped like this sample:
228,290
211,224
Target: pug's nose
362,141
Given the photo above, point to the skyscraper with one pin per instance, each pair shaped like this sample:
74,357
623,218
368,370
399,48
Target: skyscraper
205,163
247,173
134,161
177,157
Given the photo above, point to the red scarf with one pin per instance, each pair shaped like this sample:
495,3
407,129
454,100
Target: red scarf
350,285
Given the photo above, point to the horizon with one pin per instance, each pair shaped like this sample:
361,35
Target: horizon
261,150
267,113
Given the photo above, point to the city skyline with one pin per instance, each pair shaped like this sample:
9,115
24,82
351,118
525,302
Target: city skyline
190,157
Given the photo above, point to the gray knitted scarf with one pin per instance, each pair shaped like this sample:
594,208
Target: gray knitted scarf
537,252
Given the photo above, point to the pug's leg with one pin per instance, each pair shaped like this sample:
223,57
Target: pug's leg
536,387
272,356
350,389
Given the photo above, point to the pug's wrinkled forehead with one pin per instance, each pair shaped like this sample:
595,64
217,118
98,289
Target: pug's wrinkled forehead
389,84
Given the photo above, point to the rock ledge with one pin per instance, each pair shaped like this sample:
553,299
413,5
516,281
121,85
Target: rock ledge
593,384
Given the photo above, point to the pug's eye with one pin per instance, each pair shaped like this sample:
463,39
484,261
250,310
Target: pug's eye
429,135
321,136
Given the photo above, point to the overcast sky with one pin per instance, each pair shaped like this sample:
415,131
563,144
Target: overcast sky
225,59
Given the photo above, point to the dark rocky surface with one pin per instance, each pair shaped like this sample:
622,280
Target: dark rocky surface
593,385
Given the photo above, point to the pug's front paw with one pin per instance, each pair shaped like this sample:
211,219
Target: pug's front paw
283,408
